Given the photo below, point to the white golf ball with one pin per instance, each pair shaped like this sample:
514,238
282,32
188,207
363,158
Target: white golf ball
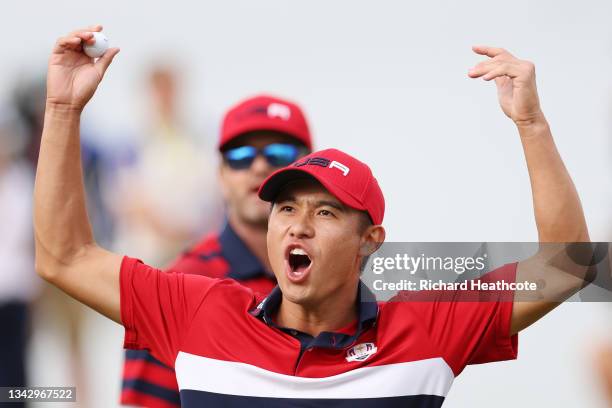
98,48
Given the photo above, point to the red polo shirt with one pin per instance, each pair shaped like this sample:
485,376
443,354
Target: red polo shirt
227,351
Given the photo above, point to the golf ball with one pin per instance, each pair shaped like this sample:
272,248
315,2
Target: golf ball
98,48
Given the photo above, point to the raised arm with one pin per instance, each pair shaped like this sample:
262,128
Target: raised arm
66,253
558,212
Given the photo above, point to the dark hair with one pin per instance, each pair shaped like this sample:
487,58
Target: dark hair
364,221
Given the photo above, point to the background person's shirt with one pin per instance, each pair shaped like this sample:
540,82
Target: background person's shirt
166,194
406,353
18,280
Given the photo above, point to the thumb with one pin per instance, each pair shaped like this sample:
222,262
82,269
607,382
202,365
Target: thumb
105,60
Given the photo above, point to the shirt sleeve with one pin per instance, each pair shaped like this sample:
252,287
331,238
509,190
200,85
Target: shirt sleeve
469,327
157,308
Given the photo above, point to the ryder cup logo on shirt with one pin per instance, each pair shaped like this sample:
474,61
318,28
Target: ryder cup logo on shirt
278,110
361,352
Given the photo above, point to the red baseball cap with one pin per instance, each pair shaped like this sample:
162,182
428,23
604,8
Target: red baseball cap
264,112
348,179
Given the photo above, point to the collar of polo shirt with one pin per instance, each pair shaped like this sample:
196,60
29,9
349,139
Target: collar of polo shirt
367,313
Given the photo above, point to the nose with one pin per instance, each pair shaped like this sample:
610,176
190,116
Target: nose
261,167
301,227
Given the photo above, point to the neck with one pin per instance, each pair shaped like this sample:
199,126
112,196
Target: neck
254,237
332,313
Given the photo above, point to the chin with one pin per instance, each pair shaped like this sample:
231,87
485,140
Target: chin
298,294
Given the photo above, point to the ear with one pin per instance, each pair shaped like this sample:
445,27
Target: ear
371,239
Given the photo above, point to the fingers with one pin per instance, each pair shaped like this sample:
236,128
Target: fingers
502,63
105,60
490,51
74,40
494,68
92,28
499,72
86,34
67,43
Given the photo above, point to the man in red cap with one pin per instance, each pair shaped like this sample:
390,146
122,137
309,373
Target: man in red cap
258,135
319,338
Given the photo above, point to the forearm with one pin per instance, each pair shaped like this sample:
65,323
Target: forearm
66,253
558,211
61,226
559,218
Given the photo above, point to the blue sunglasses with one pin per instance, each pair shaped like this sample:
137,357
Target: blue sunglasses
276,154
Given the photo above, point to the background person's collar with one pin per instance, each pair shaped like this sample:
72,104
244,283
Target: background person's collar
242,262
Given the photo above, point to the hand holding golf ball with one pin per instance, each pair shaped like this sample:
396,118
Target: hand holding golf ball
98,48
76,67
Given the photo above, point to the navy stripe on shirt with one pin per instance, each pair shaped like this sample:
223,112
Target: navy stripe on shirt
192,398
157,391
144,355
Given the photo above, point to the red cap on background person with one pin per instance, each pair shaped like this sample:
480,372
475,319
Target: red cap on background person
264,112
348,179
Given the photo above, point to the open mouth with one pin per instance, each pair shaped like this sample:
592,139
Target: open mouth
298,259
299,264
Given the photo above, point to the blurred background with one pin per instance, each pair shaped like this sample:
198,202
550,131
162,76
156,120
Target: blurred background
385,80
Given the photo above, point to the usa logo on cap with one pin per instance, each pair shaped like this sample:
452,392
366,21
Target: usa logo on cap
348,179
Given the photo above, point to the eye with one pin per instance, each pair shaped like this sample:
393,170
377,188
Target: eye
326,213
285,208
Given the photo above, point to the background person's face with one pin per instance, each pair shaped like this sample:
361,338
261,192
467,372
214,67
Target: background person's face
239,187
308,216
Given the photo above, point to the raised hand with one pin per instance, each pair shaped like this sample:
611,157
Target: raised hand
72,76
515,80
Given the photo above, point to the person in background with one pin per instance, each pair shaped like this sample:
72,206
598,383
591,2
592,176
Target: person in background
258,135
154,223
18,282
